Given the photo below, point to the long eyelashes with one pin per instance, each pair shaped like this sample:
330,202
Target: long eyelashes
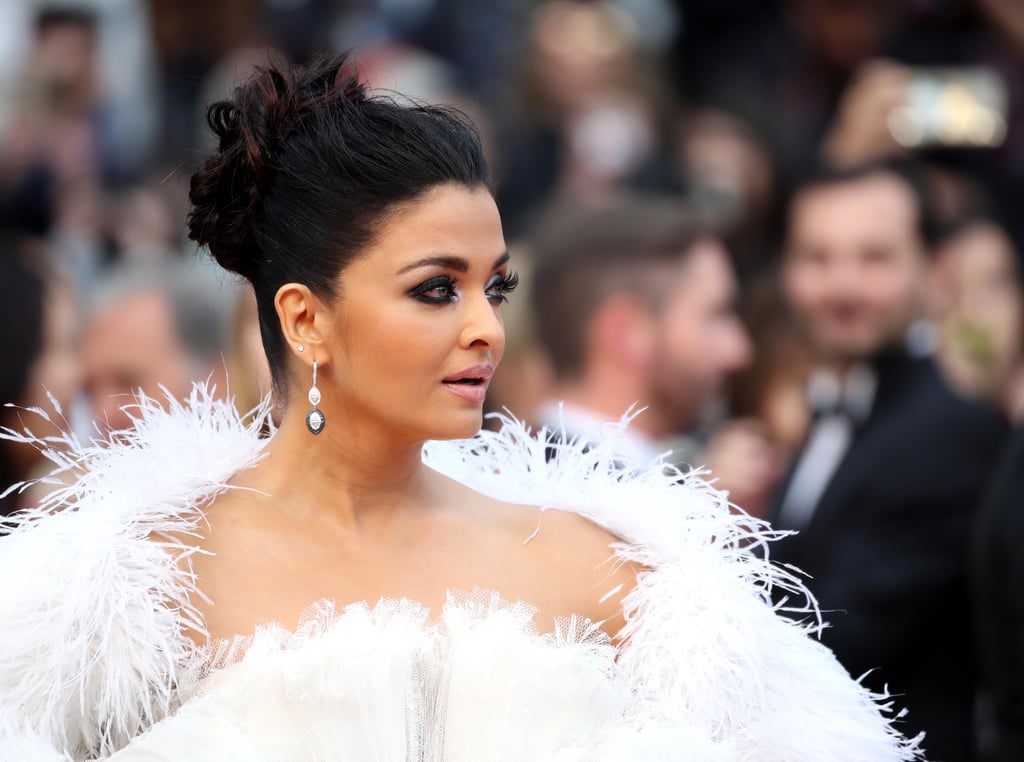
443,289
499,290
437,290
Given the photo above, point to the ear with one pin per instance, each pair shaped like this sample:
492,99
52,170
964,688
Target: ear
302,315
623,330
939,285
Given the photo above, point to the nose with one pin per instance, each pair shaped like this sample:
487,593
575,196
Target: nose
844,279
482,327
739,349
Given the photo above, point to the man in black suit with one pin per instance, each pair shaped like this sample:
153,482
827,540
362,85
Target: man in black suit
884,490
998,577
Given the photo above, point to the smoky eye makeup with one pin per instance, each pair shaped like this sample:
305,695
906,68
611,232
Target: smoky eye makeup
501,286
442,289
437,290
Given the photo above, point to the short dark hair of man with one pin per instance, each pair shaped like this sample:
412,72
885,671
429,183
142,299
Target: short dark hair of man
53,16
912,172
586,252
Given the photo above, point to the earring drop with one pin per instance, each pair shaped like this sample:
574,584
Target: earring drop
315,418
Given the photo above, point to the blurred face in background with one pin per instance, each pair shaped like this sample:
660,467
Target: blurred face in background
978,300
855,265
132,345
580,52
63,64
700,341
728,170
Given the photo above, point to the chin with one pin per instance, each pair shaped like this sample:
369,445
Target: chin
849,351
847,346
458,427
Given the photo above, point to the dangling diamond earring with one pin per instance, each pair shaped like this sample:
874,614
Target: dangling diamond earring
315,418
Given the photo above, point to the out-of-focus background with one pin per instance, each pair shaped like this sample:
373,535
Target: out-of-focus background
725,104
850,174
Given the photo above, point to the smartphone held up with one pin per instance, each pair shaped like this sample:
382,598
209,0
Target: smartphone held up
951,106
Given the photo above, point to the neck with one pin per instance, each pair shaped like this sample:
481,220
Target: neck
841,365
837,367
354,476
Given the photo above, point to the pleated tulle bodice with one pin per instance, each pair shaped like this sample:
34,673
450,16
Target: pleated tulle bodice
390,684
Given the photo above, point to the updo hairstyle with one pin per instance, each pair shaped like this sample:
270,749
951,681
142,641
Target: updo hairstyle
308,165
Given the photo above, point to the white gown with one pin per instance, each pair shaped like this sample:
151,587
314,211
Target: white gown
96,595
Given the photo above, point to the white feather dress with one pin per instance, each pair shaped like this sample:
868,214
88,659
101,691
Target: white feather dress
95,598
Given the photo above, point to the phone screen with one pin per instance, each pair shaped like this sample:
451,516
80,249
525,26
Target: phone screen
952,106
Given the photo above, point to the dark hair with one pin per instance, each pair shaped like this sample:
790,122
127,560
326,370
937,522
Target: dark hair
584,253
912,173
309,164
57,15
22,306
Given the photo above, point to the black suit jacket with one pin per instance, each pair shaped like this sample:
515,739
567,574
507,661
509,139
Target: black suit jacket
887,546
999,600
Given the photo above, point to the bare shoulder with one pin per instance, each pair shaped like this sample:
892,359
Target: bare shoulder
564,563
583,554
236,547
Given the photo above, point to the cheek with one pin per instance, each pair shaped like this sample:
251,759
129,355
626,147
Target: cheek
731,342
803,285
683,339
393,347
893,285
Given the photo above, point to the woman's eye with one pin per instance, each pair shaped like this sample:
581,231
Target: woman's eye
436,290
501,286
443,289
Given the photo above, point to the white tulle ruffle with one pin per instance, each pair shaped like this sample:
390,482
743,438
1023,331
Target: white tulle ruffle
388,684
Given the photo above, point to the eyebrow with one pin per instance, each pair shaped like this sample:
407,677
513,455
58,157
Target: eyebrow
459,264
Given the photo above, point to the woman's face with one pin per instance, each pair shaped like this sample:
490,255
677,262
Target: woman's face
416,331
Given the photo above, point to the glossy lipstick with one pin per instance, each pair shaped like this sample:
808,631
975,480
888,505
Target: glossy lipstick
471,383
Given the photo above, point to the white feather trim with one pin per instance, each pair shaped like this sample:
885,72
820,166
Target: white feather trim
92,638
96,594
702,639
20,743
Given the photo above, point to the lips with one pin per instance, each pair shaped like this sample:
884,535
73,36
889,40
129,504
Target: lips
471,383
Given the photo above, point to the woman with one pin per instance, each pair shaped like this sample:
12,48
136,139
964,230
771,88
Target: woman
343,592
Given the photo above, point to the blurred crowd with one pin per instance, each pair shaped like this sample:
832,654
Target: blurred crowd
783,237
